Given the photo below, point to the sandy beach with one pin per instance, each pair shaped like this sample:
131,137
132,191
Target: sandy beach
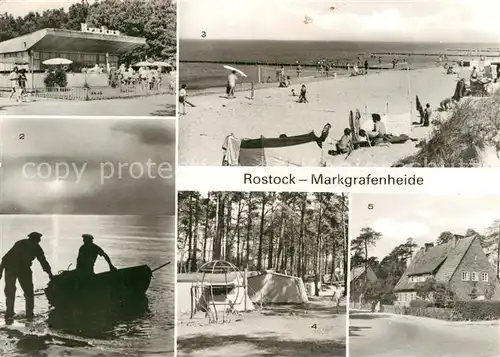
274,111
315,329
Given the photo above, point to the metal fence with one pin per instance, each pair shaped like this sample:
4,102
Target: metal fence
81,93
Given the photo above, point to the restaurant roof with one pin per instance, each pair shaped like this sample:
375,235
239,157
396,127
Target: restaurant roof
50,39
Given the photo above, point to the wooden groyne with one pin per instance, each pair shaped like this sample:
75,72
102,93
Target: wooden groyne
427,54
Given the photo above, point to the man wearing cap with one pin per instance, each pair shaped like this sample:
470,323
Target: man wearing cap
87,255
17,265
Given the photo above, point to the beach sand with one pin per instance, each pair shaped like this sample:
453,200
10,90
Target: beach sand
315,329
274,111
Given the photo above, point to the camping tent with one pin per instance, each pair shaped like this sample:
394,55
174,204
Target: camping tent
203,291
281,151
271,287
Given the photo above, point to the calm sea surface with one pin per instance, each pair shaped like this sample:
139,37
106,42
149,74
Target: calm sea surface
145,329
206,75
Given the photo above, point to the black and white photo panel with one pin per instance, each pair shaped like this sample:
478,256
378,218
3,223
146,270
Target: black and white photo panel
339,83
261,274
87,237
88,57
424,275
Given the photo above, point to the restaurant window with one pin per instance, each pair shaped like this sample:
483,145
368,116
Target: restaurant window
465,276
475,276
484,276
36,55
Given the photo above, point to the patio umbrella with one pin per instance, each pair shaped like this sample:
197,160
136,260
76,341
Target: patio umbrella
235,69
161,64
57,61
143,64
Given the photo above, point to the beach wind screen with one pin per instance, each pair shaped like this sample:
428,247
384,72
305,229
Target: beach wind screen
395,124
282,151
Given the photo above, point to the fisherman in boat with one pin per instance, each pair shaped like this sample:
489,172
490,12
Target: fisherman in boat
87,256
17,266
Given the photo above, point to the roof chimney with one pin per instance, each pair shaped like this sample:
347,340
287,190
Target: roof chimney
428,246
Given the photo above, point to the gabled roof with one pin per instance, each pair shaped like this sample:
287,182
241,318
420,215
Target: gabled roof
357,272
441,261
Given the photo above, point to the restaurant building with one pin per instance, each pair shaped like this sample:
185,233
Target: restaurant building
86,48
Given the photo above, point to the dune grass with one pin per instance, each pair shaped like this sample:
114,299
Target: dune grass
460,140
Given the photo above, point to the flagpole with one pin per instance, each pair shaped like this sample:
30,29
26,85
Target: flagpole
409,95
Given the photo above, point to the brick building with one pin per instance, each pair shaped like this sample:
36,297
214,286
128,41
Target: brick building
460,263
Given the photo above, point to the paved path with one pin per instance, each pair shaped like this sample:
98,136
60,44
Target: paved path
157,105
388,335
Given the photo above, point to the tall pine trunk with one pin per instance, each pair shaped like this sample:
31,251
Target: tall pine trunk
261,232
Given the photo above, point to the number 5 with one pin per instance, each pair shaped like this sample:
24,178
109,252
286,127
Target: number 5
370,205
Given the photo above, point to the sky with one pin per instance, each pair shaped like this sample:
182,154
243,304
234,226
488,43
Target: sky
422,217
93,158
365,20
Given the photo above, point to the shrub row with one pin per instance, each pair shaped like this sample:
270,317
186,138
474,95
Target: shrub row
476,310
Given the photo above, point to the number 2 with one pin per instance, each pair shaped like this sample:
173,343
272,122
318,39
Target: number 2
21,136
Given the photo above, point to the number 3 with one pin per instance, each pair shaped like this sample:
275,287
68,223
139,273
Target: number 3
203,34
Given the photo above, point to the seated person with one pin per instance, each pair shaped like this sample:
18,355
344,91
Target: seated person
446,104
344,145
379,129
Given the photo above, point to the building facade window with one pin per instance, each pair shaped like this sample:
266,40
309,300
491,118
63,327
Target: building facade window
475,276
465,276
484,276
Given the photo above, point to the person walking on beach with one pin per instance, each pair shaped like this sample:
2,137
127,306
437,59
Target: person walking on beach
17,265
366,66
231,84
14,84
182,99
299,69
302,96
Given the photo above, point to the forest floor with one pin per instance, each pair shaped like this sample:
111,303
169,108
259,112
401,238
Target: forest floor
314,329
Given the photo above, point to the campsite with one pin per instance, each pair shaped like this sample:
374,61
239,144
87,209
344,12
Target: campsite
261,274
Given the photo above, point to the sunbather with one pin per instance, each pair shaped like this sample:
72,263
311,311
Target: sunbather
379,129
344,145
446,104
387,138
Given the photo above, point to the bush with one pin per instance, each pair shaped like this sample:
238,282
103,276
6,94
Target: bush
58,78
419,303
459,141
477,310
